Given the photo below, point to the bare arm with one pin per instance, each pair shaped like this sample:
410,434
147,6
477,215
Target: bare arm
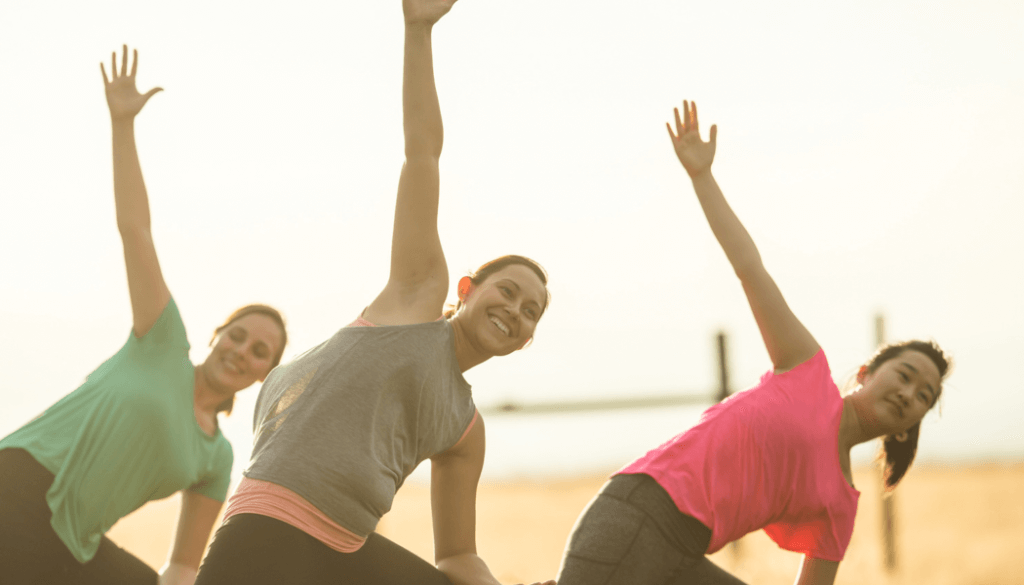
418,282
146,286
196,520
817,572
454,476
453,480
788,342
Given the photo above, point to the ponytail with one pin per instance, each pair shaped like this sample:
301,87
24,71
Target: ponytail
896,456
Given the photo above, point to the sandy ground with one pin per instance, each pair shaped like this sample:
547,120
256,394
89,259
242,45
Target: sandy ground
955,525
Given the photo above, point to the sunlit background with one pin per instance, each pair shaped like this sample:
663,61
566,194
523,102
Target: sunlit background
873,150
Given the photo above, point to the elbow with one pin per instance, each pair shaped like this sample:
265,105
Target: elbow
133,231
421,150
748,269
424,144
419,162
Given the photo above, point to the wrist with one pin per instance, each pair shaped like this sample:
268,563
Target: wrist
177,574
122,123
701,175
418,27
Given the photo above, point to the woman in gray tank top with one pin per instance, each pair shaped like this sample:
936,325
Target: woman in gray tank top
340,428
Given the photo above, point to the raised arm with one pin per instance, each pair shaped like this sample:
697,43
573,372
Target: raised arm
788,342
146,286
418,283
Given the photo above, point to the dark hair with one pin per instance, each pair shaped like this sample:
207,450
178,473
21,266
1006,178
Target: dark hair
489,268
255,309
894,455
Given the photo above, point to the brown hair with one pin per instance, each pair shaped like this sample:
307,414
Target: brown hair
895,456
489,268
254,309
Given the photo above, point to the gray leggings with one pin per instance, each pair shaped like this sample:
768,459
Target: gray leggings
633,533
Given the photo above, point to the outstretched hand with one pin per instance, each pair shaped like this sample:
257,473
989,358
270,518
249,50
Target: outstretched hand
123,99
695,154
425,12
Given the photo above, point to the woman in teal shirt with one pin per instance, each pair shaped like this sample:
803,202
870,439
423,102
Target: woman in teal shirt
143,425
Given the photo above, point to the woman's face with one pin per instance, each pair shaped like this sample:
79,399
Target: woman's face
898,394
501,313
243,352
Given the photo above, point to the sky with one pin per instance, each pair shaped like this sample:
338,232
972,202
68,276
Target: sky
872,149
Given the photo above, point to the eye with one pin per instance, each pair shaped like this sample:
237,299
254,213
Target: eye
923,397
506,291
237,334
531,313
904,376
261,351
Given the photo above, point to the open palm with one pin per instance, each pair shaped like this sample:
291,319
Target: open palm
695,154
123,99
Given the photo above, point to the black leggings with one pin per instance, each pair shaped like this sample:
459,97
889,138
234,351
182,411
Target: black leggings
32,553
251,549
633,533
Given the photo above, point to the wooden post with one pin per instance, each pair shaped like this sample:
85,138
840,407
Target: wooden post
888,503
723,368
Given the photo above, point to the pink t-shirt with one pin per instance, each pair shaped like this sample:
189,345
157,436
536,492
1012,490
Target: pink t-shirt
766,457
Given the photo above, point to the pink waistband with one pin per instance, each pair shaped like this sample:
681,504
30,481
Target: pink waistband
255,496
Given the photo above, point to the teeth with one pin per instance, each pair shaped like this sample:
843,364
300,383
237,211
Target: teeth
500,325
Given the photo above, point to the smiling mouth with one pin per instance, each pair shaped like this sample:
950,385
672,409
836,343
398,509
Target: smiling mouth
501,326
899,409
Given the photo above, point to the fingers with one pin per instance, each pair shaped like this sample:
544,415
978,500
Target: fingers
671,134
150,94
114,74
688,122
714,133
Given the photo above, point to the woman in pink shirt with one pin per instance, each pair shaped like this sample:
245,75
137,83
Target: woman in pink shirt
773,457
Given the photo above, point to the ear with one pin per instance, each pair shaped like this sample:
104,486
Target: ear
861,374
465,288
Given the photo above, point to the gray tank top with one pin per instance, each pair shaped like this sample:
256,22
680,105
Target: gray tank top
346,422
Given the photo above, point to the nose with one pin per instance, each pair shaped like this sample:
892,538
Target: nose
243,351
904,395
513,311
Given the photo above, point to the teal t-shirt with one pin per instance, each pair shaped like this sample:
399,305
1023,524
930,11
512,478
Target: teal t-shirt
126,436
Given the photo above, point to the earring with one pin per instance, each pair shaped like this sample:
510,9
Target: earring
901,437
